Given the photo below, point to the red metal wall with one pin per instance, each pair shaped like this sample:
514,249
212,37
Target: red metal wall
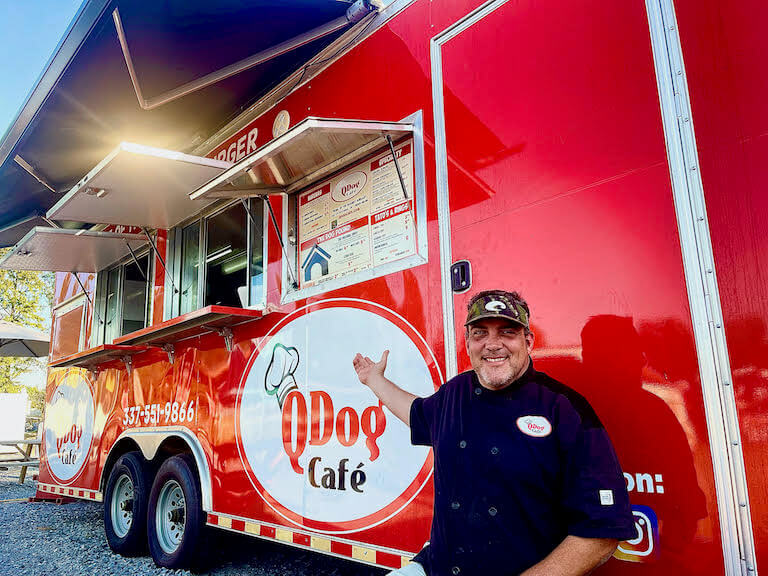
559,187
724,46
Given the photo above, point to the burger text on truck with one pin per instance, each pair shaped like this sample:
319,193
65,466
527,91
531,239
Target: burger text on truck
210,303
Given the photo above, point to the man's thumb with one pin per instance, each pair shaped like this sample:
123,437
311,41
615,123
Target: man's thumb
384,358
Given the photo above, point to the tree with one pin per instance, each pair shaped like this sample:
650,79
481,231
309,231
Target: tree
25,299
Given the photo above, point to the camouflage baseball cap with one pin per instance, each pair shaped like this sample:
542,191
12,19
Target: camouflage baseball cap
498,304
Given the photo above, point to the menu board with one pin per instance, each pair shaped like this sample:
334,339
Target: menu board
358,219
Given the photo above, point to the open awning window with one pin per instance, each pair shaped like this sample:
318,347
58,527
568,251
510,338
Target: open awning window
61,250
139,186
309,151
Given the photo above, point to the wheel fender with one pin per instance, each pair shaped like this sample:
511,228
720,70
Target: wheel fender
150,439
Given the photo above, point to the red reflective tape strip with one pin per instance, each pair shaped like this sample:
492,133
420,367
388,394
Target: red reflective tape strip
388,560
341,548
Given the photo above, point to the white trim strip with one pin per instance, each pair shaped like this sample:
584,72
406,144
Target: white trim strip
441,165
703,293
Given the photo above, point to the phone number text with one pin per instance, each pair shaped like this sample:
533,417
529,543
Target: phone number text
152,414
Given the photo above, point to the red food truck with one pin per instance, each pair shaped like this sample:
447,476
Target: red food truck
316,179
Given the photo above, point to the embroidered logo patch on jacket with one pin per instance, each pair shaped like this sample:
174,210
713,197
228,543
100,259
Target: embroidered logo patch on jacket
536,426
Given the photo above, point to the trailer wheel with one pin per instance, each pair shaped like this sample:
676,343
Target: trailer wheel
125,505
176,520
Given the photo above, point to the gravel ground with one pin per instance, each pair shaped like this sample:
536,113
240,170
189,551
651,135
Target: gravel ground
45,539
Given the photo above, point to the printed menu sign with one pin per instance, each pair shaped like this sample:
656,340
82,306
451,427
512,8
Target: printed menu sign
358,219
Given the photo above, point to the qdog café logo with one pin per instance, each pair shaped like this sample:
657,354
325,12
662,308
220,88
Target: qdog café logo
347,424
69,427
316,444
644,547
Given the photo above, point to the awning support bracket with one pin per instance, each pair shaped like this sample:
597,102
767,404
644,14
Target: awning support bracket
354,14
226,333
171,351
159,257
31,171
128,361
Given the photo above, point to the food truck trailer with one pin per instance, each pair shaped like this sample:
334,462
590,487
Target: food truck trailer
238,197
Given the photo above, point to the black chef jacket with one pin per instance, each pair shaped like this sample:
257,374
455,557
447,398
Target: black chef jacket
516,471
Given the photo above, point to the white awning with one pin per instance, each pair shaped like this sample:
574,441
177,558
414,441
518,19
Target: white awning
309,151
61,250
139,186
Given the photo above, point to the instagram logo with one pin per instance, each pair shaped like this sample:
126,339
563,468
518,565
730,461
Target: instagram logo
645,546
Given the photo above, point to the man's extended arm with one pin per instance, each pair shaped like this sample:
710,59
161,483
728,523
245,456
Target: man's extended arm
575,556
393,397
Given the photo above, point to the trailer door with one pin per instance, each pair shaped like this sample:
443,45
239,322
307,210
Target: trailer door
555,182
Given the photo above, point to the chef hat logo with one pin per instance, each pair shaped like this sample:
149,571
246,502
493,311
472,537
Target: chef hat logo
279,380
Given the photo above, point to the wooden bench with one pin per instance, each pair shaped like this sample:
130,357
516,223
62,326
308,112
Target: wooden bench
25,459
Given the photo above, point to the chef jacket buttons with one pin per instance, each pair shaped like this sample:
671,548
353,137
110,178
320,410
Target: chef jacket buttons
455,570
463,444
492,511
478,391
494,450
455,505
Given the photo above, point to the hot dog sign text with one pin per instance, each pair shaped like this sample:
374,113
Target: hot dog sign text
69,426
317,445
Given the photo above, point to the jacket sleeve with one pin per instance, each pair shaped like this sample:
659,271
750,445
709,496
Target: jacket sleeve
594,493
425,416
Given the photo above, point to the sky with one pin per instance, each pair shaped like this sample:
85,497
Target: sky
30,30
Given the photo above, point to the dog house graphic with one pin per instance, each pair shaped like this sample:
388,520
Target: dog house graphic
316,256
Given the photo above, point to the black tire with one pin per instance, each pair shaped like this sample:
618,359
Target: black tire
176,521
125,505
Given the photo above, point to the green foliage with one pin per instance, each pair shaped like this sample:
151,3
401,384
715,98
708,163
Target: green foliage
36,399
25,299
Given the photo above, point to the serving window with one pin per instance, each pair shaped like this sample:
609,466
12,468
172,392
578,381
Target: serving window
218,259
354,211
123,301
360,223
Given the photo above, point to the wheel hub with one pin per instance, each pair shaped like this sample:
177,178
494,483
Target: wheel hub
121,506
170,516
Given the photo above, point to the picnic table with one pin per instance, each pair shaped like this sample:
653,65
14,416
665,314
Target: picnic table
24,460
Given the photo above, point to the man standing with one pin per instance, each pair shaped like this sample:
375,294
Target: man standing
526,479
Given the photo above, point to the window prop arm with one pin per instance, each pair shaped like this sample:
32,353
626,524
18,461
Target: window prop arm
136,261
273,219
397,166
159,257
